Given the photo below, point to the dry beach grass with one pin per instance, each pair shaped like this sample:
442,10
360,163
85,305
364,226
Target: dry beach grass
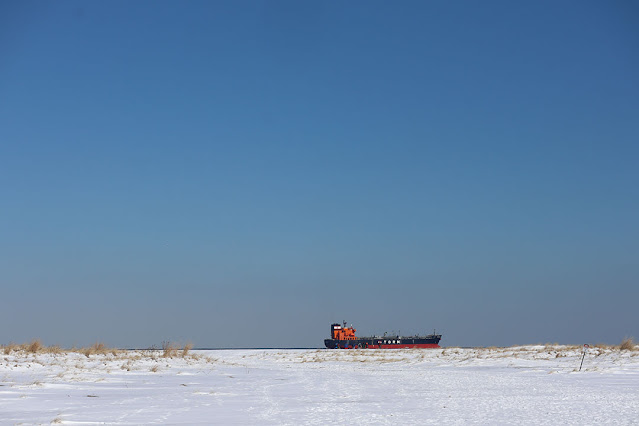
98,359
35,348
628,344
171,350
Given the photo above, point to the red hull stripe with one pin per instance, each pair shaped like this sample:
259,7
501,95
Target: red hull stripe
422,345
416,345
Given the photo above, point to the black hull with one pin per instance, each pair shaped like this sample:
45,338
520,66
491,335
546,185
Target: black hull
392,342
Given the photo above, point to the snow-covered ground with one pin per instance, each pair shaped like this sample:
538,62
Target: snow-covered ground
523,385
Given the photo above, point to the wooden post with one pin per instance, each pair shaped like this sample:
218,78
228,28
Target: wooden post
584,355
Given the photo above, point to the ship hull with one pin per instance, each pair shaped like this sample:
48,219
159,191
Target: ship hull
396,342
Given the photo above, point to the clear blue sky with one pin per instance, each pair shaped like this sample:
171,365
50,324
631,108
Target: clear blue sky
246,173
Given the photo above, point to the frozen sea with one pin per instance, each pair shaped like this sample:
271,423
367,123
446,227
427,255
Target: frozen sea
519,385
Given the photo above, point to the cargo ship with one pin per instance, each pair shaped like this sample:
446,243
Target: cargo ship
343,337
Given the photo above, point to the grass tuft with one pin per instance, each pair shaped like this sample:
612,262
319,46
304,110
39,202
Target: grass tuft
9,348
54,350
627,344
186,349
169,350
96,348
34,347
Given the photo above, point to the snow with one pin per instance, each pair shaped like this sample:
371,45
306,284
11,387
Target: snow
522,385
